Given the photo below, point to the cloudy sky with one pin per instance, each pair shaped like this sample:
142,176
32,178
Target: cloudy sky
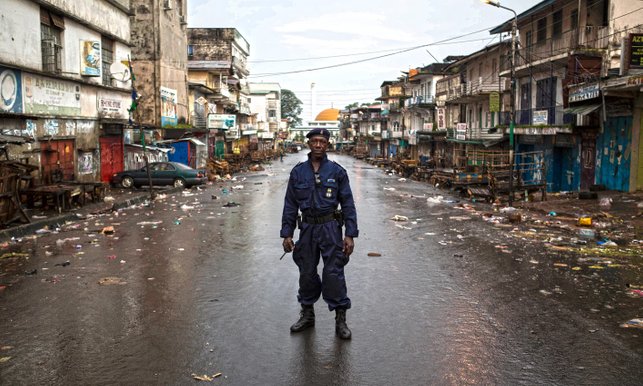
303,35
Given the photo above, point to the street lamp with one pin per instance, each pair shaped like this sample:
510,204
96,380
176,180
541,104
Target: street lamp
512,116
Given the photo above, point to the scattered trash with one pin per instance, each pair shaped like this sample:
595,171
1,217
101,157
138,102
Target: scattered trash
185,207
606,243
108,230
149,223
397,217
237,187
112,280
514,217
13,254
43,231
32,272
390,189
635,293
65,264
552,214
214,197
460,218
605,202
585,221
434,200
560,265
458,255
587,233
123,261
545,292
205,377
374,254
4,359
633,323
231,204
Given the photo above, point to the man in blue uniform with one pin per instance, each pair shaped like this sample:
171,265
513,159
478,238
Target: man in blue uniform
316,188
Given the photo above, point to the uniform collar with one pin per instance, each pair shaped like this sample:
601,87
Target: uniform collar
323,161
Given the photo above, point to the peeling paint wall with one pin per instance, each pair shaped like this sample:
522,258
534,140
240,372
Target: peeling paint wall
99,13
159,57
614,153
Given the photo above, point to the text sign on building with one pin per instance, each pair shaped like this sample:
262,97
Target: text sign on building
10,90
50,96
168,107
540,117
583,93
461,131
222,121
442,124
636,50
90,58
395,91
494,102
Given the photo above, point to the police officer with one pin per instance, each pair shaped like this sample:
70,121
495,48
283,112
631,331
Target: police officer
316,188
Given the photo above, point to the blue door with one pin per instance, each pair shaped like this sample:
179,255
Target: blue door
180,153
563,170
614,148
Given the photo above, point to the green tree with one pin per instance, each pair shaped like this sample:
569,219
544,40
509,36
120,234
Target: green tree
290,107
352,105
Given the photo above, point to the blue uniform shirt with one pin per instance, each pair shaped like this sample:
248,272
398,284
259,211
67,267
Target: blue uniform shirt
318,197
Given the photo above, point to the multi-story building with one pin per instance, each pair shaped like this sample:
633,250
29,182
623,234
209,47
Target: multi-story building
265,104
159,63
217,62
420,109
578,96
393,94
66,85
474,98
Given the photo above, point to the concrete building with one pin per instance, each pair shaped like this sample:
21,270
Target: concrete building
328,119
579,77
265,105
65,85
159,62
217,63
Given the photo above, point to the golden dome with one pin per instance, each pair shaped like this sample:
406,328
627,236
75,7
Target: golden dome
328,115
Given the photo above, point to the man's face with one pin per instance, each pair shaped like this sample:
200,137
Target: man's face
318,144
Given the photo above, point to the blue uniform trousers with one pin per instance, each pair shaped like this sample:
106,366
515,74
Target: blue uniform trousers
323,240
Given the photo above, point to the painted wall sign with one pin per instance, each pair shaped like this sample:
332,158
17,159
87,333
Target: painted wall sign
168,106
542,130
494,101
90,58
636,50
221,121
540,117
10,90
45,96
86,163
442,124
583,93
111,108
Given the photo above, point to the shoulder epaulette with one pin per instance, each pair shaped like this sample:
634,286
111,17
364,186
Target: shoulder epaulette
340,166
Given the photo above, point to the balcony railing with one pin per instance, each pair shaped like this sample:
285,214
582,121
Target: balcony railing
587,37
485,86
419,101
551,116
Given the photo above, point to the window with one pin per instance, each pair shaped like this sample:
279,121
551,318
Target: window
272,113
573,18
529,42
541,32
557,25
190,51
51,27
107,53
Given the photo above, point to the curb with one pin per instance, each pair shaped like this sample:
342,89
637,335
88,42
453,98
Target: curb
59,220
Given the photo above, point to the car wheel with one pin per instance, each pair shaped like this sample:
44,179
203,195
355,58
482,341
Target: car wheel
179,183
127,182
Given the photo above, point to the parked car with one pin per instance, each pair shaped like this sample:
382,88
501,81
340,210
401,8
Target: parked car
163,173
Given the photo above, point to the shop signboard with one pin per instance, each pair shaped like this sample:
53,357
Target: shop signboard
584,92
461,132
222,121
10,90
50,96
636,50
90,58
540,117
168,107
442,125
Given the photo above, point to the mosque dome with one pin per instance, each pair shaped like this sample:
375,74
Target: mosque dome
328,115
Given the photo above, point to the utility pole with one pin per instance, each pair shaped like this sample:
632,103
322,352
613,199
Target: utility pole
512,114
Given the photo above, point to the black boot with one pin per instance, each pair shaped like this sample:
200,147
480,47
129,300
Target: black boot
341,329
306,319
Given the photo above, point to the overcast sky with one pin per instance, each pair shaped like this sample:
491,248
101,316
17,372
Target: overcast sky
313,29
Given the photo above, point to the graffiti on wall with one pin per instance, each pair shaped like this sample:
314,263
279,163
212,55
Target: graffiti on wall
51,127
86,163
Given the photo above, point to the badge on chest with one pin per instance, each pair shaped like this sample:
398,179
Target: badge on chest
329,193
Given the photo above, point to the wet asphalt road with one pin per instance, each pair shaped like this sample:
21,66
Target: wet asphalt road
204,292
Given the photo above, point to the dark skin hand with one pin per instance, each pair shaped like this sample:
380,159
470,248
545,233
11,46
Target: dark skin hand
349,245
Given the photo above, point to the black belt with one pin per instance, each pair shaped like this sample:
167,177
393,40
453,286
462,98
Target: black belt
318,219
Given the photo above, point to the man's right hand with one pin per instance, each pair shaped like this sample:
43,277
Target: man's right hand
288,244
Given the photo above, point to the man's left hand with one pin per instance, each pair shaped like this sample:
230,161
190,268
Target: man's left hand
348,245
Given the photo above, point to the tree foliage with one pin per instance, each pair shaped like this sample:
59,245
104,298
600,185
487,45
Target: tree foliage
291,107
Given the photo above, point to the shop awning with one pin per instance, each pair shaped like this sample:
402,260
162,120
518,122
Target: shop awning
582,110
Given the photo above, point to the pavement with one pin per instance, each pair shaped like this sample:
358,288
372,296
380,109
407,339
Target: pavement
115,199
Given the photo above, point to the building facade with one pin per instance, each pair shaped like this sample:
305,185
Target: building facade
66,85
